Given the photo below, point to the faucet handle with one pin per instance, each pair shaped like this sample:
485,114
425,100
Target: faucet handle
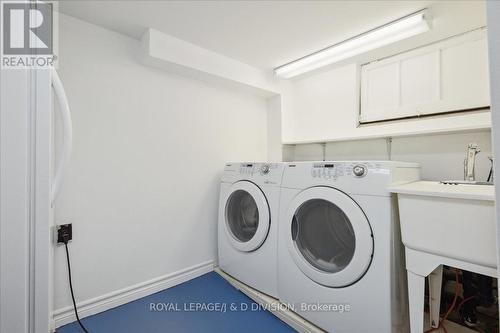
474,146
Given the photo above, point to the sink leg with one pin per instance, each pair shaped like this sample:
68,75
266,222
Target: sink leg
416,290
435,280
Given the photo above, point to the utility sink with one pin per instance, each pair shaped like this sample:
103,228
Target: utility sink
454,220
444,224
465,182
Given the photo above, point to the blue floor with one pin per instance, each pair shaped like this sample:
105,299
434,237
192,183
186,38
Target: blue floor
176,312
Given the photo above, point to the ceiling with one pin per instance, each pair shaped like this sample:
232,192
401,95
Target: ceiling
266,34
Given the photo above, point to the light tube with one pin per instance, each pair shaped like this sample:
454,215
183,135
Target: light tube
405,27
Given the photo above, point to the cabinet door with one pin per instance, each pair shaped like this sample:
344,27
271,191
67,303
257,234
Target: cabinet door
464,74
381,86
448,76
419,84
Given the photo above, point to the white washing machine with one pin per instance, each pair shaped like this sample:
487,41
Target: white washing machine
340,257
248,224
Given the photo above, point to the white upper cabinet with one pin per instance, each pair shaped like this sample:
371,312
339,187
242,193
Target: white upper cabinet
448,76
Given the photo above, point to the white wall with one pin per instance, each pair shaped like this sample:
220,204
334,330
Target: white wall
494,56
440,156
142,185
274,146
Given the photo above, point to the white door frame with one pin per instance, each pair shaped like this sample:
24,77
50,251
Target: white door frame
25,213
42,256
493,12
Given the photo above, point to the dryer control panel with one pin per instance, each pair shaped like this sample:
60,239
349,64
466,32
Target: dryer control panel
327,170
333,170
359,177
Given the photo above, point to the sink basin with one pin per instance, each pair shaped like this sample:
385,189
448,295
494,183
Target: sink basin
454,221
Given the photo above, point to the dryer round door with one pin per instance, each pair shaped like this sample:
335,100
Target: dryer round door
329,237
247,216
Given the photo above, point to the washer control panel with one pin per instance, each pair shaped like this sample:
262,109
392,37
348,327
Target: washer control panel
259,173
247,168
254,169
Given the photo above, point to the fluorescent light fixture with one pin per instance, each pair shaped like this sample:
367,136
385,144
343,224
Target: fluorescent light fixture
405,27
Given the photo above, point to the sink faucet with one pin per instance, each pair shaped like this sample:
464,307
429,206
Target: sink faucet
470,162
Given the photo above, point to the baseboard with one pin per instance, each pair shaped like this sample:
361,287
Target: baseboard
111,300
291,318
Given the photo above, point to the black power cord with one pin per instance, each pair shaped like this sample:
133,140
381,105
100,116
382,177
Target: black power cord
71,288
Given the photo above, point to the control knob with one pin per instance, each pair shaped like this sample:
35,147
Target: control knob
359,170
264,169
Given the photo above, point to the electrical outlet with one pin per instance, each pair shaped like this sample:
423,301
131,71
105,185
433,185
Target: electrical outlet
64,233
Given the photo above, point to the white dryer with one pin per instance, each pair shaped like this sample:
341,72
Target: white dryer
248,224
340,258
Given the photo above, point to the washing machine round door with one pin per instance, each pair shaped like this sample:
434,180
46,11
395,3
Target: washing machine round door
247,216
329,237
